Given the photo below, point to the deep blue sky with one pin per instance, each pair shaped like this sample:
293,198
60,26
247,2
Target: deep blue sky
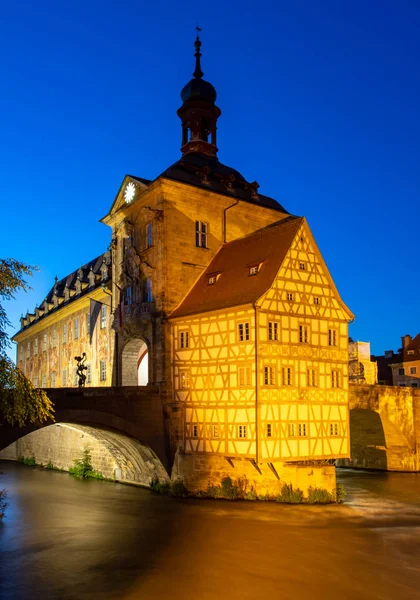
320,104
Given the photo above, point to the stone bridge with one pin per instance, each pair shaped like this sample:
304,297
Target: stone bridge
123,427
384,428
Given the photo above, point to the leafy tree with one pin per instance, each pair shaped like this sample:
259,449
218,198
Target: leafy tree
20,402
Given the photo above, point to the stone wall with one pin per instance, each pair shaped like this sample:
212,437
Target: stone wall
198,471
114,455
384,428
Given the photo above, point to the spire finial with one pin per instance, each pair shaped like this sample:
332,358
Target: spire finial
198,73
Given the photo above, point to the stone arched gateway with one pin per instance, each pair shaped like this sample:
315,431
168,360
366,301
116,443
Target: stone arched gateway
114,454
135,368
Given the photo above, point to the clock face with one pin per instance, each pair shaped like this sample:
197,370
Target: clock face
130,191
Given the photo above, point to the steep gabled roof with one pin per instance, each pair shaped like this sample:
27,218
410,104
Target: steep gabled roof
235,286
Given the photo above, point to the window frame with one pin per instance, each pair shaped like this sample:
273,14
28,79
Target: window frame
201,234
244,333
104,316
183,339
102,370
269,373
149,235
273,331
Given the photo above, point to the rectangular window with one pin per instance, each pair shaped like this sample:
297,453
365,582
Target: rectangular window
76,328
414,384
290,296
286,376
201,234
244,376
36,346
401,371
291,430
303,334
273,331
215,430
317,300
53,380
64,333
335,379
408,352
243,332
64,377
268,429
102,370
212,279
54,338
149,235
35,382
44,342
311,378
195,431
269,378
242,433
128,296
302,428
332,337
184,339
302,266
44,381
103,316
89,373
334,429
184,379
149,290
413,370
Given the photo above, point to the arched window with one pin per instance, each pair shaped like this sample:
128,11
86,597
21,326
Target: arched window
148,290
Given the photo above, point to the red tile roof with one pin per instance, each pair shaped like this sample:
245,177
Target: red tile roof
234,286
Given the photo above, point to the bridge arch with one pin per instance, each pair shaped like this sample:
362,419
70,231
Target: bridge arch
113,453
135,367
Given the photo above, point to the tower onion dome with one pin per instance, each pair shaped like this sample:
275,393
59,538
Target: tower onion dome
197,88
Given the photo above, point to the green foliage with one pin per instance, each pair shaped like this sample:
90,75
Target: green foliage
229,489
82,467
213,491
20,402
50,466
3,503
290,495
319,496
30,460
250,495
178,489
340,493
158,487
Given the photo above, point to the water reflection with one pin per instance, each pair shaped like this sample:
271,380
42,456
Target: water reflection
66,539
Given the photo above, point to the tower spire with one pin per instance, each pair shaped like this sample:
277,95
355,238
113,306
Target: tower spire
198,112
198,73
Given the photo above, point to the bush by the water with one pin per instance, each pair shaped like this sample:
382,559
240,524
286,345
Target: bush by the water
30,460
82,467
290,495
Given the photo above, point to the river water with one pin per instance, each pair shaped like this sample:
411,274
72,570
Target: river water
68,539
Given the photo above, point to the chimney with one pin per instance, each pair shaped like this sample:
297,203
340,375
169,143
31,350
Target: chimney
405,340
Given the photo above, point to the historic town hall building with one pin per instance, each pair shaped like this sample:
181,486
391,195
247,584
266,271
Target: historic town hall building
219,296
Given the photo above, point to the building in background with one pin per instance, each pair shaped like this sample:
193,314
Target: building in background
361,368
406,365
219,296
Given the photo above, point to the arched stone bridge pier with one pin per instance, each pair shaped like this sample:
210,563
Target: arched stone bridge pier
127,424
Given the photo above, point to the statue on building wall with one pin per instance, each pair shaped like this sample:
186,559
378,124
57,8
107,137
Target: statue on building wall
81,367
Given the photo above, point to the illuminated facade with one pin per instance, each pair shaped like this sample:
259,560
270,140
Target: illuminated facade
362,369
221,298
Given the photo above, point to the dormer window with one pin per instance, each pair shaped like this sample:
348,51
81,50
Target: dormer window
104,272
302,266
78,286
253,269
212,278
91,278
